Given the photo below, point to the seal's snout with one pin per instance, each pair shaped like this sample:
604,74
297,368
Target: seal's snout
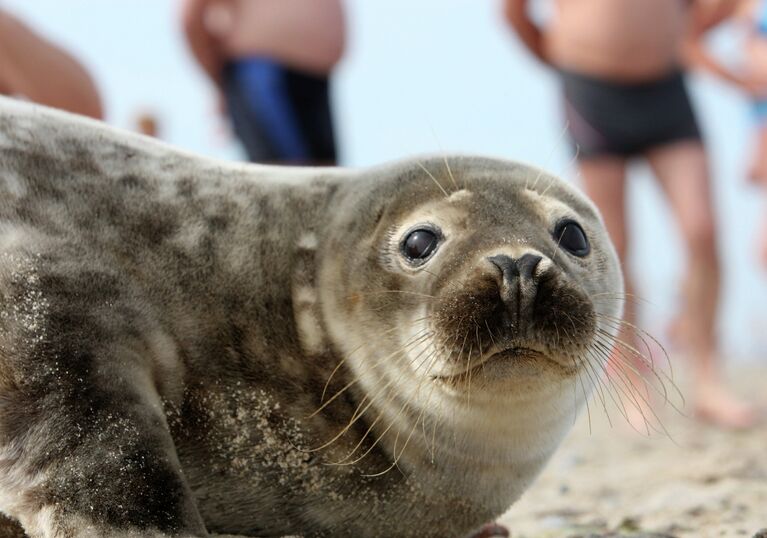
517,284
524,266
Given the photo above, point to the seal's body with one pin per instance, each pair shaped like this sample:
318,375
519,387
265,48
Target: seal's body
188,346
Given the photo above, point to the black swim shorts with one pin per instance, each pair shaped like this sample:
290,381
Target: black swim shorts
279,114
627,119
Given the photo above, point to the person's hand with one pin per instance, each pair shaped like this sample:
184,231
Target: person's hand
754,85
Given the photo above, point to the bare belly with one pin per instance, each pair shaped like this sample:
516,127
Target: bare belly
617,39
756,56
306,34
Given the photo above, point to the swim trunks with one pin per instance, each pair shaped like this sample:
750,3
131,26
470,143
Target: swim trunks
759,111
280,115
759,105
626,119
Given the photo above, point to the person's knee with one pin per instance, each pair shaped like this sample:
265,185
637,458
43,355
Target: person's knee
621,248
700,235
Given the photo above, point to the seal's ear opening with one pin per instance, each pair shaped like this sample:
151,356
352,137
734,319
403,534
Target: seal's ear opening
379,213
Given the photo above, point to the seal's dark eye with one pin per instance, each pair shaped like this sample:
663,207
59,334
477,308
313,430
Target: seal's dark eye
420,244
571,237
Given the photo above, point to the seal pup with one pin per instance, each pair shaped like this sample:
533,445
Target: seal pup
190,346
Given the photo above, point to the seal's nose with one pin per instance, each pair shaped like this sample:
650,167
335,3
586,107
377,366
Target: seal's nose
523,266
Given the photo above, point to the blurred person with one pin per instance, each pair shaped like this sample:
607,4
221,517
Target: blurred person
36,69
620,65
146,124
751,78
270,61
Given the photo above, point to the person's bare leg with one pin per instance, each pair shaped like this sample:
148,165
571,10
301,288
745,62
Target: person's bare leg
757,171
604,180
758,174
32,66
762,241
682,170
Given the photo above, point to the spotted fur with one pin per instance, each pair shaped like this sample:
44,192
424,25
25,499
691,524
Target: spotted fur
182,340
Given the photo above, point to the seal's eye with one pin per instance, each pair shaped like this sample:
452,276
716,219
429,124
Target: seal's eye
420,244
571,237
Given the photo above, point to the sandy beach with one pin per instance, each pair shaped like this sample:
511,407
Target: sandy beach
611,481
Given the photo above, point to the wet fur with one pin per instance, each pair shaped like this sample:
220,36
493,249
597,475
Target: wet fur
169,324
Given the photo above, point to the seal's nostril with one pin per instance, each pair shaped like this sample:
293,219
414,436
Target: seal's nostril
527,263
506,264
523,266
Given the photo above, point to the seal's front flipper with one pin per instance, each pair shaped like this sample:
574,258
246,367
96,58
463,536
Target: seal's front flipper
490,530
84,444
103,465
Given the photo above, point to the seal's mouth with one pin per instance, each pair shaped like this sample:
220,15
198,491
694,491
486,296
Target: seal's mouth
497,357
513,353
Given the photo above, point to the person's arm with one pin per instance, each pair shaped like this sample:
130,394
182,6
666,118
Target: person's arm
516,14
703,17
202,44
37,69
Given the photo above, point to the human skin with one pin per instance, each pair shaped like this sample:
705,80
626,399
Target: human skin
39,70
596,37
306,35
751,78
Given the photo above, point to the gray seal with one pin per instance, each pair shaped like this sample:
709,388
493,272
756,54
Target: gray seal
190,346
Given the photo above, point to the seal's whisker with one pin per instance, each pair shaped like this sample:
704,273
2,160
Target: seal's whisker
410,435
620,346
648,359
662,379
613,393
617,342
624,385
628,358
556,249
356,416
627,297
378,438
468,375
596,382
611,390
343,360
434,179
413,341
434,421
551,153
479,344
642,333
575,392
635,393
616,356
602,388
450,172
379,292
585,398
573,160
391,394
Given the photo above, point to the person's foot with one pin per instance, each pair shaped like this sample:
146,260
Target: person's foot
641,417
762,247
491,530
757,173
678,333
717,406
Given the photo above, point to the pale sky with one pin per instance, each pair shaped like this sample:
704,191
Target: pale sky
434,76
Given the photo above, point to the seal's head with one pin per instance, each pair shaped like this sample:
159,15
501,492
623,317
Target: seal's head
476,290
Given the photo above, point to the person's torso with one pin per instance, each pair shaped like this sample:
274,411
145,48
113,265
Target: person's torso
305,34
617,39
755,58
